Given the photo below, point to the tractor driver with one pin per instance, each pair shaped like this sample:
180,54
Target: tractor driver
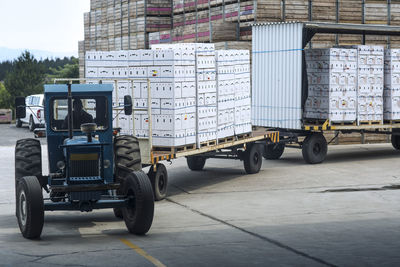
79,115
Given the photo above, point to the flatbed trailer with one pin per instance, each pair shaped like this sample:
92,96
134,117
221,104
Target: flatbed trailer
246,147
280,87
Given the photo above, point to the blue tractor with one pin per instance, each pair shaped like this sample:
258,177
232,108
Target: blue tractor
90,167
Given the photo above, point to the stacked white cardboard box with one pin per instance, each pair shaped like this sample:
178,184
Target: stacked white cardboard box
370,83
110,66
332,84
392,85
183,91
234,92
205,86
173,108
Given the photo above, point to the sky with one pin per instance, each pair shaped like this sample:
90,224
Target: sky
48,25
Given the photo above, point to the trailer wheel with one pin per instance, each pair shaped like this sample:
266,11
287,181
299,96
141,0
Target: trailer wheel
138,215
30,207
315,148
273,151
253,158
396,142
159,181
127,159
196,163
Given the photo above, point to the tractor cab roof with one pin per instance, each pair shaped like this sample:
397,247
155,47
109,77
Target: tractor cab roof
78,88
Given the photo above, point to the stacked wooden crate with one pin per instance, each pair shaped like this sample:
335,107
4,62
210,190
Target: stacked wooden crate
124,24
133,24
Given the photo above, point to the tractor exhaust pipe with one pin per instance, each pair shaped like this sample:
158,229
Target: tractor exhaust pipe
70,125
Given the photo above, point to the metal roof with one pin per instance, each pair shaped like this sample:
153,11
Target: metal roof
78,88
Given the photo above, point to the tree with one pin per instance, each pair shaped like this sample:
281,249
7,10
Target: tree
69,70
4,97
26,78
5,67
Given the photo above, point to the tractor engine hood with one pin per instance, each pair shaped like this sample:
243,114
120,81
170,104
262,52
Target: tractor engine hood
84,160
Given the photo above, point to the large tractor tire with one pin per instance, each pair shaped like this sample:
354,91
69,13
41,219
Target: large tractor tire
30,207
28,160
139,213
159,181
273,151
315,148
253,158
127,159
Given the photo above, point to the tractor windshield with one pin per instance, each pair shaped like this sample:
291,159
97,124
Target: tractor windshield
84,110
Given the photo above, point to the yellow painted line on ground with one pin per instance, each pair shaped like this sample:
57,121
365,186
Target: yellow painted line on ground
142,253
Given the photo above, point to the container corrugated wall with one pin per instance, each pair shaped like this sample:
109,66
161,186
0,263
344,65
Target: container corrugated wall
277,75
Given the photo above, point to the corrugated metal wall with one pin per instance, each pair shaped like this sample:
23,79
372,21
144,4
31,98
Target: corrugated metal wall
277,75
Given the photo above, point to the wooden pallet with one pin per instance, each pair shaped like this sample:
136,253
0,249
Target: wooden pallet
370,122
233,138
344,123
314,121
208,143
392,121
174,149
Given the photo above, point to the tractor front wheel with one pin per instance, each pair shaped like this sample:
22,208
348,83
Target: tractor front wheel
30,207
139,212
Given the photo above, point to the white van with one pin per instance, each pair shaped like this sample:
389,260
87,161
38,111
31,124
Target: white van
34,112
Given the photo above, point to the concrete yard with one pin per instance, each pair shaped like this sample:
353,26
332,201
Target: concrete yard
344,212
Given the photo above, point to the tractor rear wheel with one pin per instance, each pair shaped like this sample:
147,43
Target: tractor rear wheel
139,213
30,207
28,159
127,159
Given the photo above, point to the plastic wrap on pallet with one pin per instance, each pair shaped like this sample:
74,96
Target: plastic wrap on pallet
332,84
391,94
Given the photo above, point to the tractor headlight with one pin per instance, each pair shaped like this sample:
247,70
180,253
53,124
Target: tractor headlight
61,165
107,164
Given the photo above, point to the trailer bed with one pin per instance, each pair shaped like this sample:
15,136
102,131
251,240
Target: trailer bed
225,143
327,126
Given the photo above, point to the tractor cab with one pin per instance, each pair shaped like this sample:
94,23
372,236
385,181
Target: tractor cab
81,153
89,167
